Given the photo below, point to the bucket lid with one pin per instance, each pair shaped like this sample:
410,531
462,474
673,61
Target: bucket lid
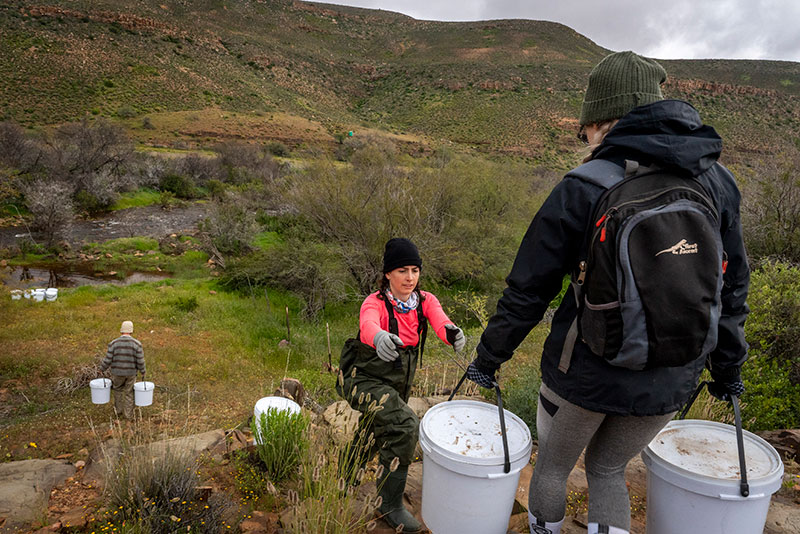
469,432
709,449
278,403
143,386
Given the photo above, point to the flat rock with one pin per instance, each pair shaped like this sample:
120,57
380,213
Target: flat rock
782,518
25,489
342,420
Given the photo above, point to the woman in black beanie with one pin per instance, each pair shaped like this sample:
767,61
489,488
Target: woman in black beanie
380,364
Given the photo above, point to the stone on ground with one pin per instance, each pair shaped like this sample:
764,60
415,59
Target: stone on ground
25,489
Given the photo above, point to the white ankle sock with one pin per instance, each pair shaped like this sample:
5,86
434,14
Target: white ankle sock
538,526
594,528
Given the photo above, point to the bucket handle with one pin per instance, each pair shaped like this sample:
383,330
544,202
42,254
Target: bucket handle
506,460
744,487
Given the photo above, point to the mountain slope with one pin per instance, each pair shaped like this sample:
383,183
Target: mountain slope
508,86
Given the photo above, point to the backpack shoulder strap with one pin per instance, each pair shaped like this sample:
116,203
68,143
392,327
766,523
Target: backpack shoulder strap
599,172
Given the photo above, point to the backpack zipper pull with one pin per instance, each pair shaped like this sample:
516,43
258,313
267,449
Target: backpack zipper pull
604,221
582,274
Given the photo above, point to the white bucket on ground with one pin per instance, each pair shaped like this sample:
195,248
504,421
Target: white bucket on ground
143,393
51,294
27,293
101,390
464,488
693,480
278,403
16,294
38,294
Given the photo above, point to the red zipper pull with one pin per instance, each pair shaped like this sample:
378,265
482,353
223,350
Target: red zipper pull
603,234
600,220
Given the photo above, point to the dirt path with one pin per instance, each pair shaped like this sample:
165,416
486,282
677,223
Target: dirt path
149,221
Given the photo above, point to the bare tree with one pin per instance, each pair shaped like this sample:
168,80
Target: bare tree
51,205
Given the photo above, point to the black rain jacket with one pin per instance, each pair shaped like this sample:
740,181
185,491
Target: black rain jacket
668,134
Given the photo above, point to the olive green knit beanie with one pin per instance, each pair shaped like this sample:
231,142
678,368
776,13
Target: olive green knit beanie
619,83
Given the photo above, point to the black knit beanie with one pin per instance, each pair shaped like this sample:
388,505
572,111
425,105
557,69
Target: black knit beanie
400,252
619,83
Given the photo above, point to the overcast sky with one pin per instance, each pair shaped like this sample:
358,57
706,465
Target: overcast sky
667,29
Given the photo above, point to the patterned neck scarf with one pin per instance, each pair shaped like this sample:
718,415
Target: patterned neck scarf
403,307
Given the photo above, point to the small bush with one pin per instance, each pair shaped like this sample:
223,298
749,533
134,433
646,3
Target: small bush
186,304
276,148
157,491
230,226
126,112
282,441
147,123
178,185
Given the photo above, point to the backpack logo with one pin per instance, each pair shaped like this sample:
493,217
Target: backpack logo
681,247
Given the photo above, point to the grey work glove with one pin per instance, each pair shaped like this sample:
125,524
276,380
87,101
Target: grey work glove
455,336
386,345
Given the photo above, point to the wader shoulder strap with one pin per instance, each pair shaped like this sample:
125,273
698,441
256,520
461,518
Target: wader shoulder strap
422,325
422,330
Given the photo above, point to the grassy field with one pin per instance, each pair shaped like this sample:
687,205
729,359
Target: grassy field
211,353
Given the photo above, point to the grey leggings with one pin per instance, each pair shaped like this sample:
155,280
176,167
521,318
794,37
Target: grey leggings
610,441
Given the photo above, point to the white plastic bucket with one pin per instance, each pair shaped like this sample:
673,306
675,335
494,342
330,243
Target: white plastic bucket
101,390
38,294
278,403
693,480
464,488
51,294
16,294
143,393
27,293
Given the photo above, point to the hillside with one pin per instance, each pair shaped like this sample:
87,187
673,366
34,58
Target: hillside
302,72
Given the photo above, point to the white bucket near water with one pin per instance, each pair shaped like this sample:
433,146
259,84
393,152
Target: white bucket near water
38,294
277,403
51,294
16,294
143,393
28,293
101,390
693,480
464,488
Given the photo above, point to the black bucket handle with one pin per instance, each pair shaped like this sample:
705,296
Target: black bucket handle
506,460
744,487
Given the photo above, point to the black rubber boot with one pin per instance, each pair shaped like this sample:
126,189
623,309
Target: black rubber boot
392,485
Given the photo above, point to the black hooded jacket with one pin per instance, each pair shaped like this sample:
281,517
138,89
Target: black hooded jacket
667,134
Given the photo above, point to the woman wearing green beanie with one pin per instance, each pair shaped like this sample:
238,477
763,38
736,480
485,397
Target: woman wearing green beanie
593,397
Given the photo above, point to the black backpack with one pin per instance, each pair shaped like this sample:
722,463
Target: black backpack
648,288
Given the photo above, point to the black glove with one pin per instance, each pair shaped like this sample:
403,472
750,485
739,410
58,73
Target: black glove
481,375
725,384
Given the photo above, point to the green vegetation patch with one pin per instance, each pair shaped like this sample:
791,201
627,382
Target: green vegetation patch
137,199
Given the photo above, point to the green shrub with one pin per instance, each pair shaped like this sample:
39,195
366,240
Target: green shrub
178,185
282,441
186,304
772,374
276,148
156,490
126,112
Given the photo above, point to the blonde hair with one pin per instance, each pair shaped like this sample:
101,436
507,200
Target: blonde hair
602,128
